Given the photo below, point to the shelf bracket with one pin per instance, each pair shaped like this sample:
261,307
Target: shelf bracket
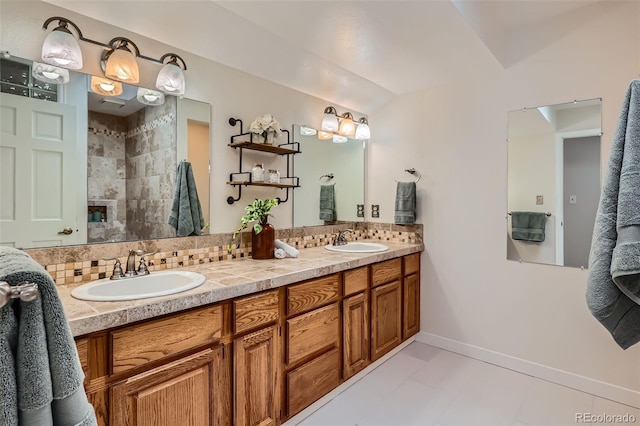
280,200
231,200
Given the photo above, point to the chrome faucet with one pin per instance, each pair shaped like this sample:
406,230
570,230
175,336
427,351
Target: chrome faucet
130,271
340,239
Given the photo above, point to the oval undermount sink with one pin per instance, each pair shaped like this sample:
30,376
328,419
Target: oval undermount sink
140,287
358,247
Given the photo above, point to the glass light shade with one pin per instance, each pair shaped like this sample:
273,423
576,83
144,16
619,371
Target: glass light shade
307,131
121,65
105,87
363,132
324,136
150,97
347,127
171,80
49,73
61,49
339,139
329,122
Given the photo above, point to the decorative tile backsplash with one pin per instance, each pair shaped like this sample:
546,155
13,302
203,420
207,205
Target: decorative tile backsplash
77,264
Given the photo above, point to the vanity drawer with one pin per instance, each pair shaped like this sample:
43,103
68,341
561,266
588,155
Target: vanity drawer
255,311
411,263
312,294
139,344
386,271
312,332
356,280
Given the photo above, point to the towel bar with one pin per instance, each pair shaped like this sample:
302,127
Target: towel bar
546,214
24,291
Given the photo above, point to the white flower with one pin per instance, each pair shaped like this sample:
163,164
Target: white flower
265,124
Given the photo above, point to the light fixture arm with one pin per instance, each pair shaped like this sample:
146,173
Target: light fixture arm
174,59
64,22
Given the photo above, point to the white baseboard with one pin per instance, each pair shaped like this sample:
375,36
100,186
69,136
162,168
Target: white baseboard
346,385
561,377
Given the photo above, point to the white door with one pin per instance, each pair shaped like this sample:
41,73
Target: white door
37,164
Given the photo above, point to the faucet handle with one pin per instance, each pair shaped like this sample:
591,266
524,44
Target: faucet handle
135,252
142,266
117,268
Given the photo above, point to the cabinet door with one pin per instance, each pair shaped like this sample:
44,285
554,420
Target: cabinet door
411,296
386,318
256,388
355,317
183,392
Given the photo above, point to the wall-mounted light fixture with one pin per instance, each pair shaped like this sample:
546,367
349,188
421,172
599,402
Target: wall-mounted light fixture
106,87
49,73
149,97
118,61
343,125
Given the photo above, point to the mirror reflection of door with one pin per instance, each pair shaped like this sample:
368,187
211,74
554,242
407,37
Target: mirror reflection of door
554,168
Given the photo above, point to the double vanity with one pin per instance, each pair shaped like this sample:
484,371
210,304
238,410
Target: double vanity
256,343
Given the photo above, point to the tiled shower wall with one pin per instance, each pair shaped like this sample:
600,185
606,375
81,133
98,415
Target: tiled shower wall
76,264
106,176
151,170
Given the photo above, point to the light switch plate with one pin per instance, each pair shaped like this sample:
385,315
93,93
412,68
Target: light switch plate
572,199
539,199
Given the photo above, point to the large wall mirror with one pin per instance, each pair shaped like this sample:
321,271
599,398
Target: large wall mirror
339,165
553,182
79,165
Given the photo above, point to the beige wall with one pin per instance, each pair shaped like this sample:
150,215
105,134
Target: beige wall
455,136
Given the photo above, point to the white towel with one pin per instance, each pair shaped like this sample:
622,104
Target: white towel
279,253
290,251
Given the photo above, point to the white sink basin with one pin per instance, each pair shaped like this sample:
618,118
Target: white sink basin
141,287
358,247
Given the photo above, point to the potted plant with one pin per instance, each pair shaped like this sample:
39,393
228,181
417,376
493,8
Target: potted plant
263,235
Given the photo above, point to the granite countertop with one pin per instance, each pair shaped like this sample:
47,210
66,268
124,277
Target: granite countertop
225,280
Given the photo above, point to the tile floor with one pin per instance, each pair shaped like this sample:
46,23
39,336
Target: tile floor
423,385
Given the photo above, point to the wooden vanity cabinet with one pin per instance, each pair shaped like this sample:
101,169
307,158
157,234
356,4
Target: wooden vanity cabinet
411,296
355,321
312,341
254,360
256,356
386,307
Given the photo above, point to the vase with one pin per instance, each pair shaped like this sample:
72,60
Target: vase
263,244
268,140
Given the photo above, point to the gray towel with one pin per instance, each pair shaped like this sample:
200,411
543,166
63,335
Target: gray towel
405,212
328,203
613,286
186,212
40,373
528,226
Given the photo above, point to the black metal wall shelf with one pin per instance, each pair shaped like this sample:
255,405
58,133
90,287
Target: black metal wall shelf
242,178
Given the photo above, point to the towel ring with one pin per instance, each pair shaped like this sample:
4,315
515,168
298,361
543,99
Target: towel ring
23,291
328,177
413,172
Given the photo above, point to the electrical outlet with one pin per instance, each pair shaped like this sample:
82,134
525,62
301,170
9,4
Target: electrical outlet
375,210
360,210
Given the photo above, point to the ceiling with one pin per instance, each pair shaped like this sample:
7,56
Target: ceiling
358,54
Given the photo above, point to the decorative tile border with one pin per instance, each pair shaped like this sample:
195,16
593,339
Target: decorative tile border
153,124
107,132
88,263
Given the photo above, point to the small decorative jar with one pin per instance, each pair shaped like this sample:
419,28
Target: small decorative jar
274,176
257,173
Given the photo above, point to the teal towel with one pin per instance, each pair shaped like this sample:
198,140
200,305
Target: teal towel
186,212
40,373
528,226
405,212
613,285
328,203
